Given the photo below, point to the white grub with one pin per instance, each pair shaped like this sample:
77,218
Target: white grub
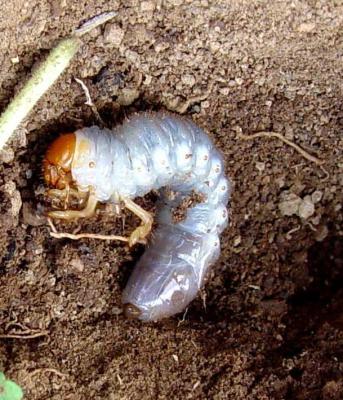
148,152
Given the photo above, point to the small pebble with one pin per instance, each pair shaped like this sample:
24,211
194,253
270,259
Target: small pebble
175,2
188,80
260,166
128,96
15,60
28,173
316,196
239,81
77,265
113,35
225,91
175,357
321,233
6,155
147,6
116,310
236,241
306,27
290,204
14,195
20,137
306,208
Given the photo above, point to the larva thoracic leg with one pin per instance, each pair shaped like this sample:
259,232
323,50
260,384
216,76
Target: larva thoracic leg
152,151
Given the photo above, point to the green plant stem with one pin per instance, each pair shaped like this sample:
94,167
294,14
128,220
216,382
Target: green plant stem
36,86
46,74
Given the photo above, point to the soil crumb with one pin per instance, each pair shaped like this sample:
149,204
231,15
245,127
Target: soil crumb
179,212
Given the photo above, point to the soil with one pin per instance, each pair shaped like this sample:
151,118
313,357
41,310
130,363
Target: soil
269,322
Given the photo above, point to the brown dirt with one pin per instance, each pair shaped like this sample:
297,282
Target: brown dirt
272,326
179,213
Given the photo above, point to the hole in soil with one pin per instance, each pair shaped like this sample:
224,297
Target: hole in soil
321,301
296,373
127,267
325,262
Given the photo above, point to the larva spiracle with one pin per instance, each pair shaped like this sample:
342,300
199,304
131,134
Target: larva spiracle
158,151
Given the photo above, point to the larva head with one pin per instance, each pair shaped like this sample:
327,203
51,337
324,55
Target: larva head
57,161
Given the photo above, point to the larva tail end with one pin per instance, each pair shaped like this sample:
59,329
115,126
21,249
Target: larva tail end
131,311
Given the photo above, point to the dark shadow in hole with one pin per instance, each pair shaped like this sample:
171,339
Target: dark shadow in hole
127,267
322,300
308,309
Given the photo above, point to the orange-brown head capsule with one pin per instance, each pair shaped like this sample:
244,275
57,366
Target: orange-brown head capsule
58,160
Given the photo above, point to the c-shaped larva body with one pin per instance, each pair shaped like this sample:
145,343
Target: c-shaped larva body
152,151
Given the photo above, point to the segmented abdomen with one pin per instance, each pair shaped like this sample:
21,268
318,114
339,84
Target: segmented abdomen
152,151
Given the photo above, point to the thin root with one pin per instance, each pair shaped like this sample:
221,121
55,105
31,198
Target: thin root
291,231
181,321
203,296
78,236
182,108
311,226
23,335
76,230
89,101
304,153
327,175
15,323
119,380
50,370
51,224
64,235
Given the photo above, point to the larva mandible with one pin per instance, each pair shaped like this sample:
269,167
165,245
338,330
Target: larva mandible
150,151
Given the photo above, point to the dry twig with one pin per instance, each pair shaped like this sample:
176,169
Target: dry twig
94,23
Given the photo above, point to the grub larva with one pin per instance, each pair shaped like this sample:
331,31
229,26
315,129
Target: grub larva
150,151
